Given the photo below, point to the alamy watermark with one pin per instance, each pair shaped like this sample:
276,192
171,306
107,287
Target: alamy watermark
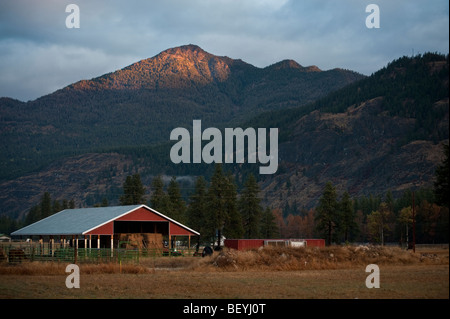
213,151
73,279
73,19
373,280
373,19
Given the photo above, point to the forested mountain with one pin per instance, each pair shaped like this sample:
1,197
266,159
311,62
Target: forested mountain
366,135
385,132
140,104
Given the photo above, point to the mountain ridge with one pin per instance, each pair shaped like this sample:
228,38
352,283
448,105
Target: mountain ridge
372,134
186,61
141,103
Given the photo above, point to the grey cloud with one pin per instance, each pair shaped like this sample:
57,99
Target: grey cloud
114,34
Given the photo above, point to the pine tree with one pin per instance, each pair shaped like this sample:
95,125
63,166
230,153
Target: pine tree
233,226
46,205
349,227
441,184
198,208
65,204
176,204
158,200
33,215
104,202
250,208
218,203
327,212
133,191
269,227
56,207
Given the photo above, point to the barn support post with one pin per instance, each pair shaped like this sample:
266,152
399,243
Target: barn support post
51,244
41,245
90,243
75,246
98,241
189,244
112,244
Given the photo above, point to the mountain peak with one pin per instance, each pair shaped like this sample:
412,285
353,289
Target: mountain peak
291,64
178,67
186,48
189,50
287,64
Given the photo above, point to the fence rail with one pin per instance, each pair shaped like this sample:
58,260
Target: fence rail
24,252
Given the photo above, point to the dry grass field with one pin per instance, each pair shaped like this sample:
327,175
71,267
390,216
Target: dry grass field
269,273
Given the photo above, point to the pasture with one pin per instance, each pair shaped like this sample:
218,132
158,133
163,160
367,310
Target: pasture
271,273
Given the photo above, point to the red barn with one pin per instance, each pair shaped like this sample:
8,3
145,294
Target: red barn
101,227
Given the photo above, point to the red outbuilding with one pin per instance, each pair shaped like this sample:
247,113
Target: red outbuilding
242,244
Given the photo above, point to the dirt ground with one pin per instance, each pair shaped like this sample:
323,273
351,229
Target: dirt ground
404,282
174,278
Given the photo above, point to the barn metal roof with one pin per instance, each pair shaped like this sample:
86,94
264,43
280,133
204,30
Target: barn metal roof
81,220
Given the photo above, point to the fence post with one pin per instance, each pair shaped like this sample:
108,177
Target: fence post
75,247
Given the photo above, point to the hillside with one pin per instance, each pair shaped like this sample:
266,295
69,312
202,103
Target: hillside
383,132
140,104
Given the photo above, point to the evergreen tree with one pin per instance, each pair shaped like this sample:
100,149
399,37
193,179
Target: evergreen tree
65,204
233,225
33,215
198,208
389,200
218,213
56,207
133,191
269,227
46,205
250,208
104,203
348,225
441,184
159,200
8,225
176,204
327,212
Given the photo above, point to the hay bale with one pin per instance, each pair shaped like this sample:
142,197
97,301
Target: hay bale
141,240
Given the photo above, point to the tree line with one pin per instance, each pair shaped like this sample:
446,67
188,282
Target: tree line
379,220
46,207
423,213
214,209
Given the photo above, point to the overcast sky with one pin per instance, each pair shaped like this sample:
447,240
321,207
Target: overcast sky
39,54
